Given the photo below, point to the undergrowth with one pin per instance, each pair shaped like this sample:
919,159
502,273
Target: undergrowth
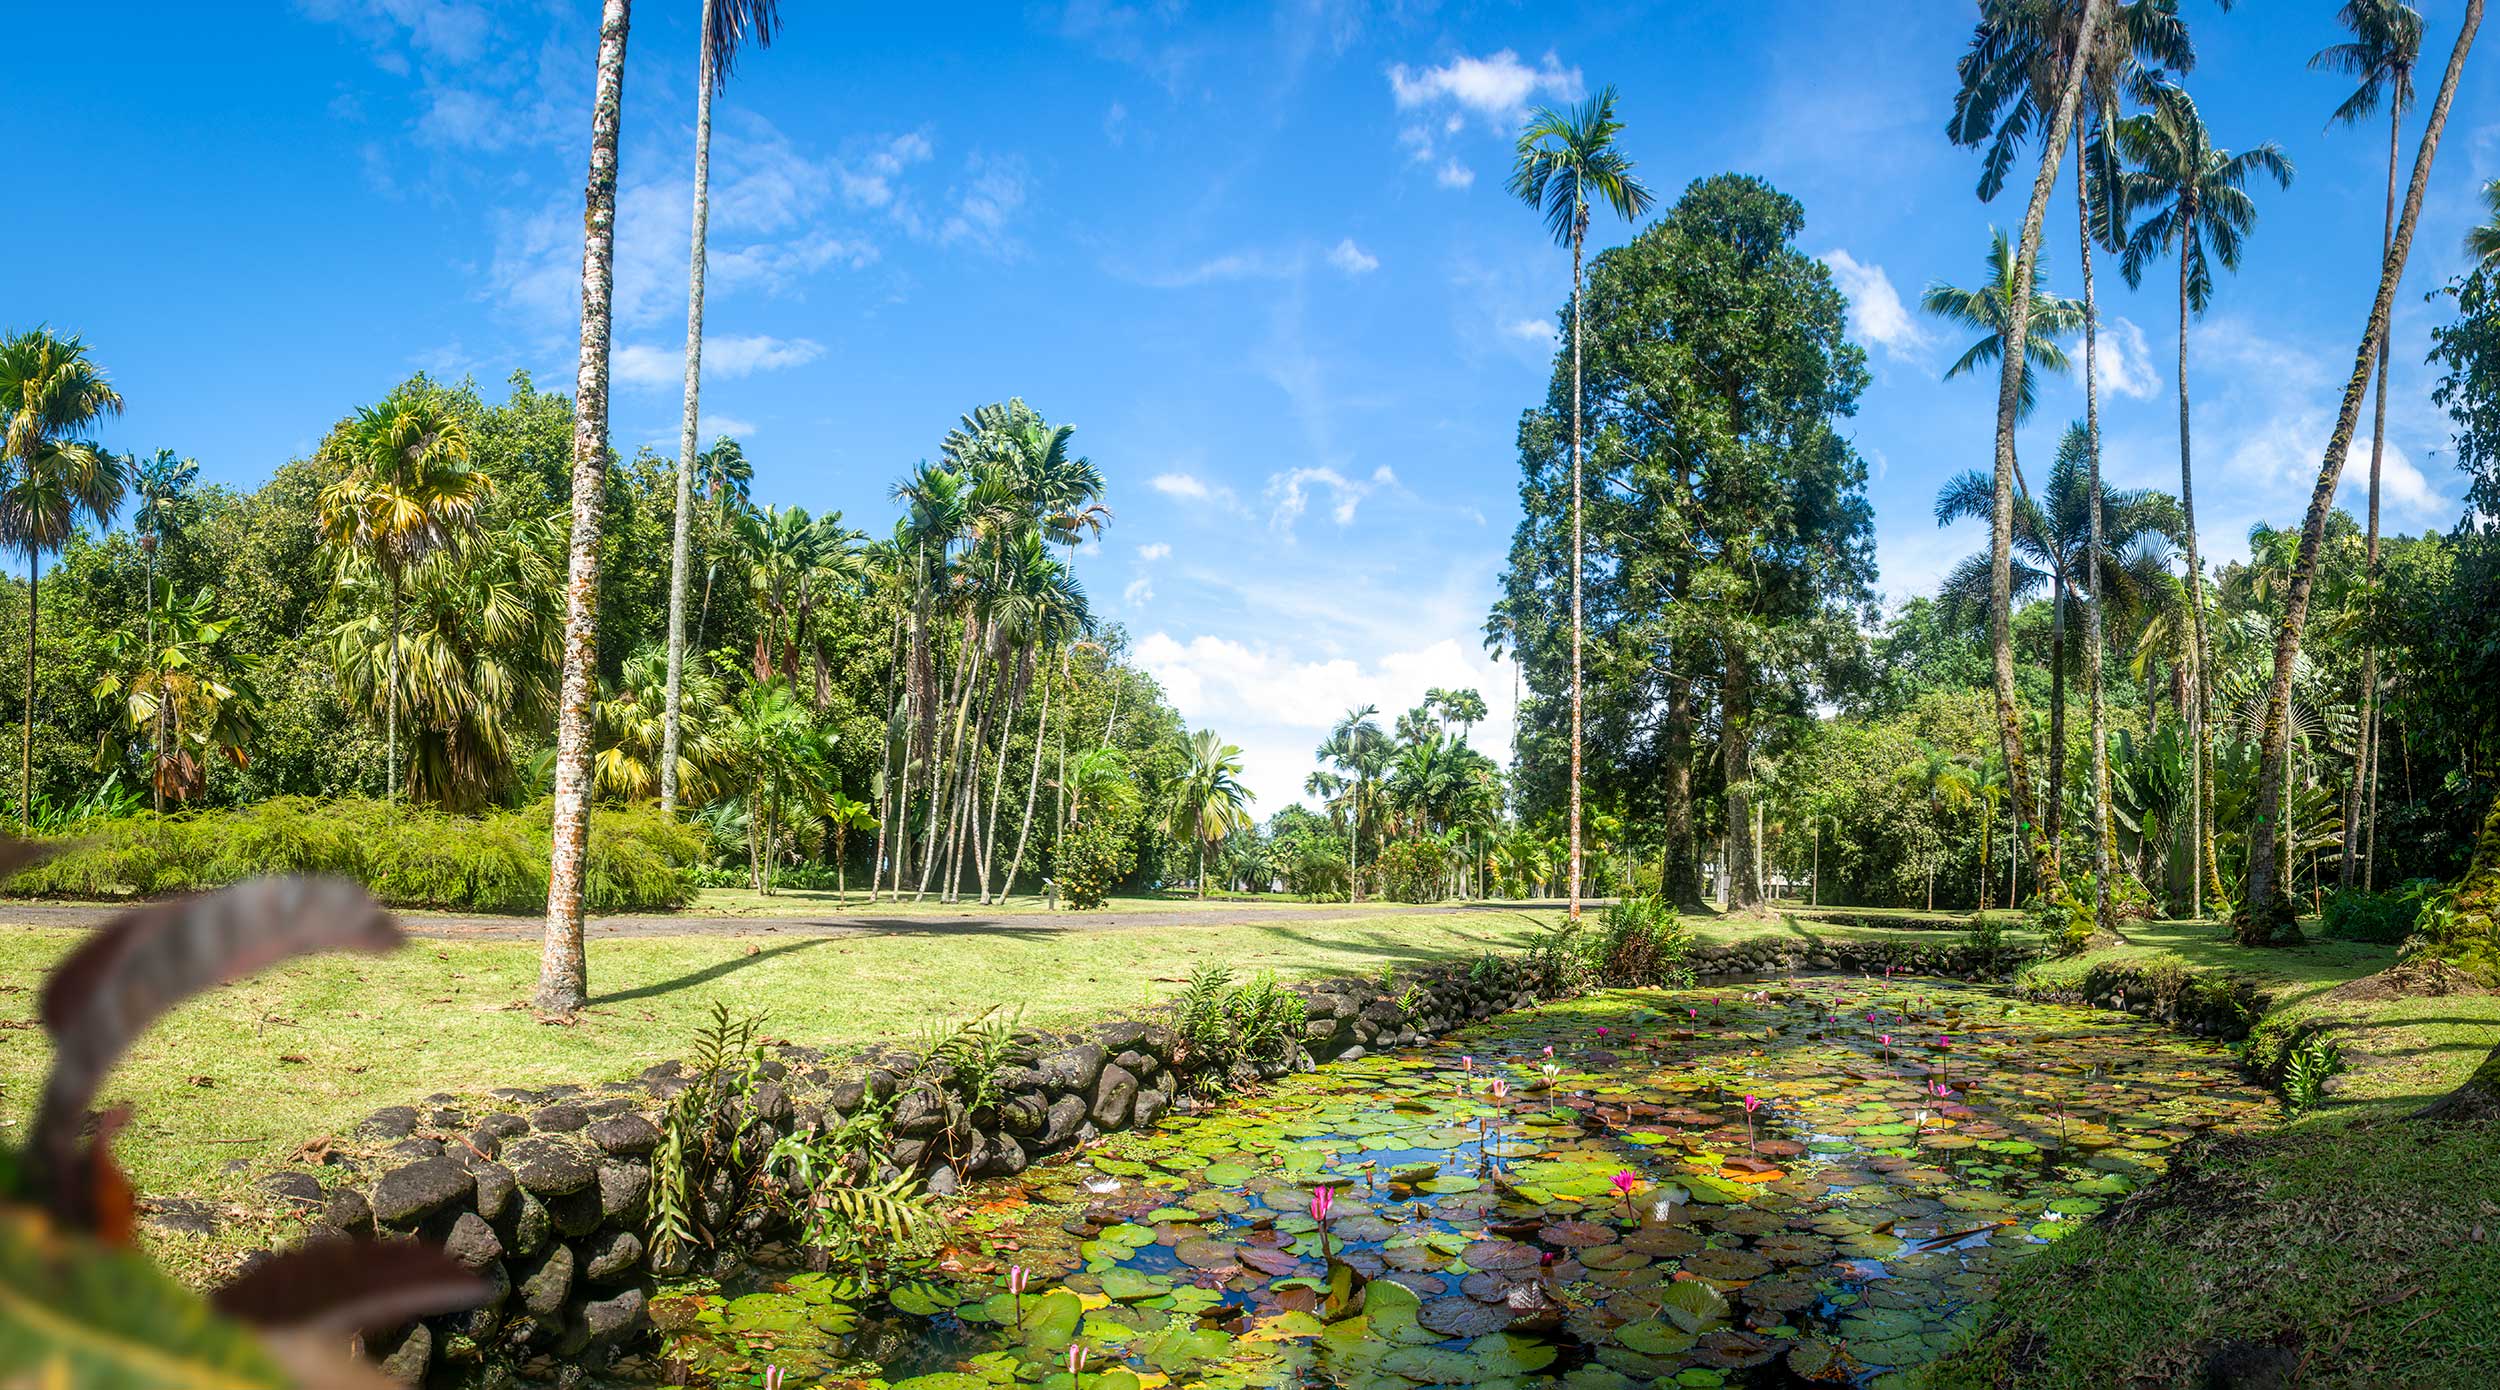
406,856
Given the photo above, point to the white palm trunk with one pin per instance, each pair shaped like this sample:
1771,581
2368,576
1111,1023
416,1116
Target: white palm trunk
682,528
563,973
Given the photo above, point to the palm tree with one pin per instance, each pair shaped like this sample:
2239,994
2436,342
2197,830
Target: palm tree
1998,101
1354,746
161,482
50,476
2265,918
1566,161
726,24
2009,294
727,480
631,730
783,761
843,815
2482,240
563,972
175,693
2386,43
1947,782
1211,801
2205,213
409,493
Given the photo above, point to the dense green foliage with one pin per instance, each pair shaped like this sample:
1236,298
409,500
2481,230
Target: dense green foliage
408,856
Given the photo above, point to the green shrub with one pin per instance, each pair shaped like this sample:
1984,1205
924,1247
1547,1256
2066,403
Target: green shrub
2387,916
638,859
1090,860
1639,941
1414,871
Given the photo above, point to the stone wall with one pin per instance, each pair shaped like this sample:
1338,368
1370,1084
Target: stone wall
2208,1004
546,1193
1919,954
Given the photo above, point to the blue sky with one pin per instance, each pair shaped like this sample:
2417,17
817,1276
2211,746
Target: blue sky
1261,256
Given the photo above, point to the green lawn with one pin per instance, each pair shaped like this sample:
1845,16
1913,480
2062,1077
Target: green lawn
256,1068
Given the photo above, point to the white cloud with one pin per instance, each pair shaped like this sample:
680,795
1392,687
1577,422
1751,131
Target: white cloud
1139,592
1496,87
1115,124
1159,550
1876,312
1352,259
994,188
868,180
1277,703
1538,331
1291,491
2126,361
725,358
1453,174
1183,485
714,426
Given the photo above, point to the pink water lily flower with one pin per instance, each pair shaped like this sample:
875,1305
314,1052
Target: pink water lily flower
1501,1089
1017,1275
1469,1064
1625,1182
1601,1032
1077,1357
772,1378
1752,1103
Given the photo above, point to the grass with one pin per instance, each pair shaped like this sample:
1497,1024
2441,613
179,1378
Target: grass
253,1069
2352,1246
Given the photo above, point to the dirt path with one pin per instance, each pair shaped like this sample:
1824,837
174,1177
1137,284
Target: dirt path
489,927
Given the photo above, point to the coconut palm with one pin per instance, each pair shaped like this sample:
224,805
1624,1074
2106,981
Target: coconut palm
408,495
50,477
1567,160
563,972
726,24
1357,746
1211,802
1999,98
842,815
2386,43
1989,308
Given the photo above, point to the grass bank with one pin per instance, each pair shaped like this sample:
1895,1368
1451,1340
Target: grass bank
2352,1246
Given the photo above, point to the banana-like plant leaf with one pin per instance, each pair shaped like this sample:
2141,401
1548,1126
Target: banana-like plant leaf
347,1286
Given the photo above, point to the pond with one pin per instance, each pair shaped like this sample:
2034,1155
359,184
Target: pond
1769,1183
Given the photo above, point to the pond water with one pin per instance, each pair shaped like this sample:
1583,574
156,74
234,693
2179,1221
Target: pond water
1774,1183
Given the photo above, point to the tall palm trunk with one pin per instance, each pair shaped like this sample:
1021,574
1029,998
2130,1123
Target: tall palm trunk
885,776
563,972
2102,919
2198,709
1579,228
2365,758
1032,787
682,526
2266,917
26,743
156,764
2053,807
2009,400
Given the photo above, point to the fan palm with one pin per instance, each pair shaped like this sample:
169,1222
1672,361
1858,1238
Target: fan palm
1567,161
192,704
409,493
2386,43
1211,802
162,482
631,726
726,24
2204,213
50,477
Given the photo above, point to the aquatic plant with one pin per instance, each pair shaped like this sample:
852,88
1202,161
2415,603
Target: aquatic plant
1752,1104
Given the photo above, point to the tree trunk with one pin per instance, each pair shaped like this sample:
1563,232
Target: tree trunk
1579,557
2265,918
2365,758
390,703
2198,710
563,973
885,775
26,743
1032,788
1683,856
681,526
2009,397
1736,764
2102,918
2053,807
156,760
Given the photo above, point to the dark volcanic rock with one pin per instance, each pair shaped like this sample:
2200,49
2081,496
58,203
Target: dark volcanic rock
629,1136
503,1124
559,1119
472,1242
611,1255
614,1318
1075,1069
545,1285
405,1196
622,1188
348,1211
550,1167
1060,1127
297,1191
496,1188
389,1122
406,1358
1115,1097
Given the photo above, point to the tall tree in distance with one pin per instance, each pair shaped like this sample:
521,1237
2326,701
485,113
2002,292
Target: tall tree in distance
2265,917
50,476
1566,160
2386,43
161,482
1994,96
563,971
1989,308
726,24
1211,801
2203,214
409,493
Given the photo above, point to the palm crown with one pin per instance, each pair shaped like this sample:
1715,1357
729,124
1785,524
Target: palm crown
1989,308
2201,192
1567,161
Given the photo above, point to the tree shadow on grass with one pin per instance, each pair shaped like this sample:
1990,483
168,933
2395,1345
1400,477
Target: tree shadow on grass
709,973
